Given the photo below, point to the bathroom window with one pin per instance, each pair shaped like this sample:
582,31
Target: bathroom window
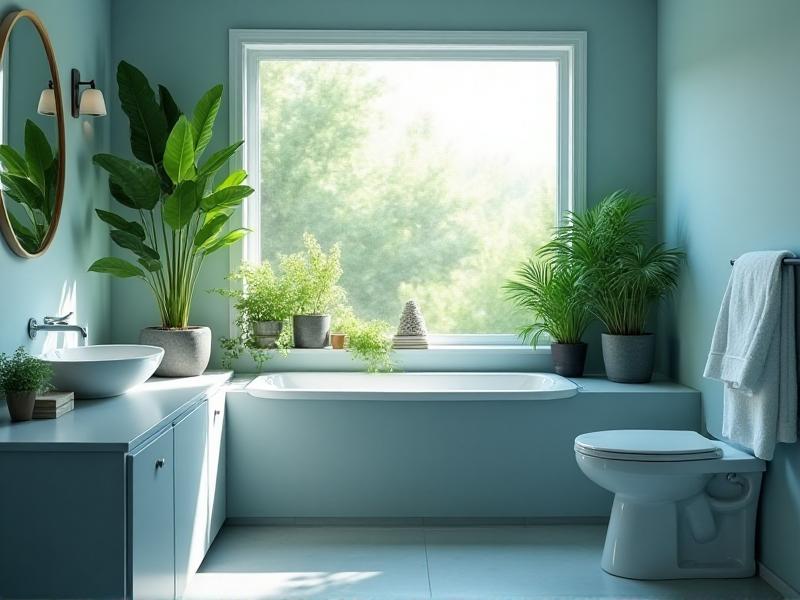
438,161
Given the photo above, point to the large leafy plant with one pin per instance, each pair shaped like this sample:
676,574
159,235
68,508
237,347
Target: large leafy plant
30,182
552,295
181,207
621,275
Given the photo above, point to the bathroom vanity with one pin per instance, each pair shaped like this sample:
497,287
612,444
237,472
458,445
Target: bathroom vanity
119,498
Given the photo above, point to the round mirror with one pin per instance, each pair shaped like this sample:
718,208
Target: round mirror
31,135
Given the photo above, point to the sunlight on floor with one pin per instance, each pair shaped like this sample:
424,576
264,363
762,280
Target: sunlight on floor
212,586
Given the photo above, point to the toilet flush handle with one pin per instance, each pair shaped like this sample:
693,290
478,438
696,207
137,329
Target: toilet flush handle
748,491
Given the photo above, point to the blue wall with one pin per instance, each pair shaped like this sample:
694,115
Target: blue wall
37,287
184,44
729,175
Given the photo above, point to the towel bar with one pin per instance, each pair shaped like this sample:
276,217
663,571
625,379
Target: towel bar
786,261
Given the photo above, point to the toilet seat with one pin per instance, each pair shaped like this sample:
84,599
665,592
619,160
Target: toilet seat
647,445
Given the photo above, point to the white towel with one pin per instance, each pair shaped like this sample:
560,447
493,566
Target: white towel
753,352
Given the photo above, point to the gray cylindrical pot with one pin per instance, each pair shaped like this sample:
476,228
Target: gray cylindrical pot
267,333
629,358
186,351
311,331
568,359
20,405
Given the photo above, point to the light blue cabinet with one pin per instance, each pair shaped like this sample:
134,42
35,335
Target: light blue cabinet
217,471
151,520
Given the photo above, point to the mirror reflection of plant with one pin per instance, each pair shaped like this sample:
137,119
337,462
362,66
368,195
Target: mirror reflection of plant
31,182
552,294
182,207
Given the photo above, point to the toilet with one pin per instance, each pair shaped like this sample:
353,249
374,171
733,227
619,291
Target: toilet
684,505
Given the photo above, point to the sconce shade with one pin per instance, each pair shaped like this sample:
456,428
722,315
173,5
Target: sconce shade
93,103
47,102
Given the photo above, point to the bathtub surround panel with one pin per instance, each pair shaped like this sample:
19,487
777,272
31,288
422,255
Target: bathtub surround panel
728,131
621,56
435,459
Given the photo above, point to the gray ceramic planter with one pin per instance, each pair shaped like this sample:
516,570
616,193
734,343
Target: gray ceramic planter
568,359
267,333
20,405
311,331
186,351
629,358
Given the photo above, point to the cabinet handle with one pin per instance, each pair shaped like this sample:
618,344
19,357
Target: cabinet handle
216,414
160,463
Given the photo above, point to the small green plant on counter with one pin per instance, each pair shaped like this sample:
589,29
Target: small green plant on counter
621,275
21,372
312,278
368,341
552,295
31,182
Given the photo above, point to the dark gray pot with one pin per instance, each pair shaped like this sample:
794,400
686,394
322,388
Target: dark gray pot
267,333
568,359
629,358
311,331
186,351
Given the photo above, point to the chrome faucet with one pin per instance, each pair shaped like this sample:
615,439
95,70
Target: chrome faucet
56,324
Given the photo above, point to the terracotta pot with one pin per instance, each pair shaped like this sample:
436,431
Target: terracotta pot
338,341
186,351
20,405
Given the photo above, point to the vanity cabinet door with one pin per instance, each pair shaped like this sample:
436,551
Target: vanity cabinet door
151,567
191,494
216,464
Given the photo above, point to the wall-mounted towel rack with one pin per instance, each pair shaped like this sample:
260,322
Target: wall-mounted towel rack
786,261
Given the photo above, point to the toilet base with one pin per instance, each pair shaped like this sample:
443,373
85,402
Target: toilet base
644,542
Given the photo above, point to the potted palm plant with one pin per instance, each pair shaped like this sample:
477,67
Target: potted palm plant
312,278
552,294
22,376
622,276
180,211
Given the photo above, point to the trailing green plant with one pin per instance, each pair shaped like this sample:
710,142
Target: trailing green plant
182,208
368,341
552,294
21,372
31,182
621,275
312,277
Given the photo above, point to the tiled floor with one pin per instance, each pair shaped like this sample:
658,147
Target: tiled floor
490,563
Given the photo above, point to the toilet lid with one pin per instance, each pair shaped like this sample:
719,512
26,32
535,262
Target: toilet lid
647,445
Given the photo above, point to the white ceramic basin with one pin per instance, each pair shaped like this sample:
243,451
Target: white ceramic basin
102,371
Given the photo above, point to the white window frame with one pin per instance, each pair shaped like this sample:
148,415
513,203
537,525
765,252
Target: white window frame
248,47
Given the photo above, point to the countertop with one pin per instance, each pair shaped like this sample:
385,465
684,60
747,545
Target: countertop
117,424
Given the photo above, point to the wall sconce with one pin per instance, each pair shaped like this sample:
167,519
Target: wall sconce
90,102
47,101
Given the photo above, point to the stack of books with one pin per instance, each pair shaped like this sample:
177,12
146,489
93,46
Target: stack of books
410,342
51,405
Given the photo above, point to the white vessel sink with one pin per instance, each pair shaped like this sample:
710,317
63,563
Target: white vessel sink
102,371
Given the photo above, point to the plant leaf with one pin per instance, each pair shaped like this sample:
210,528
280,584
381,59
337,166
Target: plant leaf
210,229
229,197
139,183
38,153
147,121
126,240
180,205
226,240
179,152
234,178
119,194
116,221
168,107
219,158
203,118
23,190
150,264
12,162
116,267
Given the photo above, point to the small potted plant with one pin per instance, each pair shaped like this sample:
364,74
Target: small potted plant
368,341
623,277
311,278
553,296
22,376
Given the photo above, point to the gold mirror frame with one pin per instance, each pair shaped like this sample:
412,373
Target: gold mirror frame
5,223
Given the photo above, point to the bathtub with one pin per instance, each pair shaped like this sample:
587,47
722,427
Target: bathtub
412,386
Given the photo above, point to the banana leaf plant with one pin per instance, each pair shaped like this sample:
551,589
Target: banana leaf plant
30,182
180,206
